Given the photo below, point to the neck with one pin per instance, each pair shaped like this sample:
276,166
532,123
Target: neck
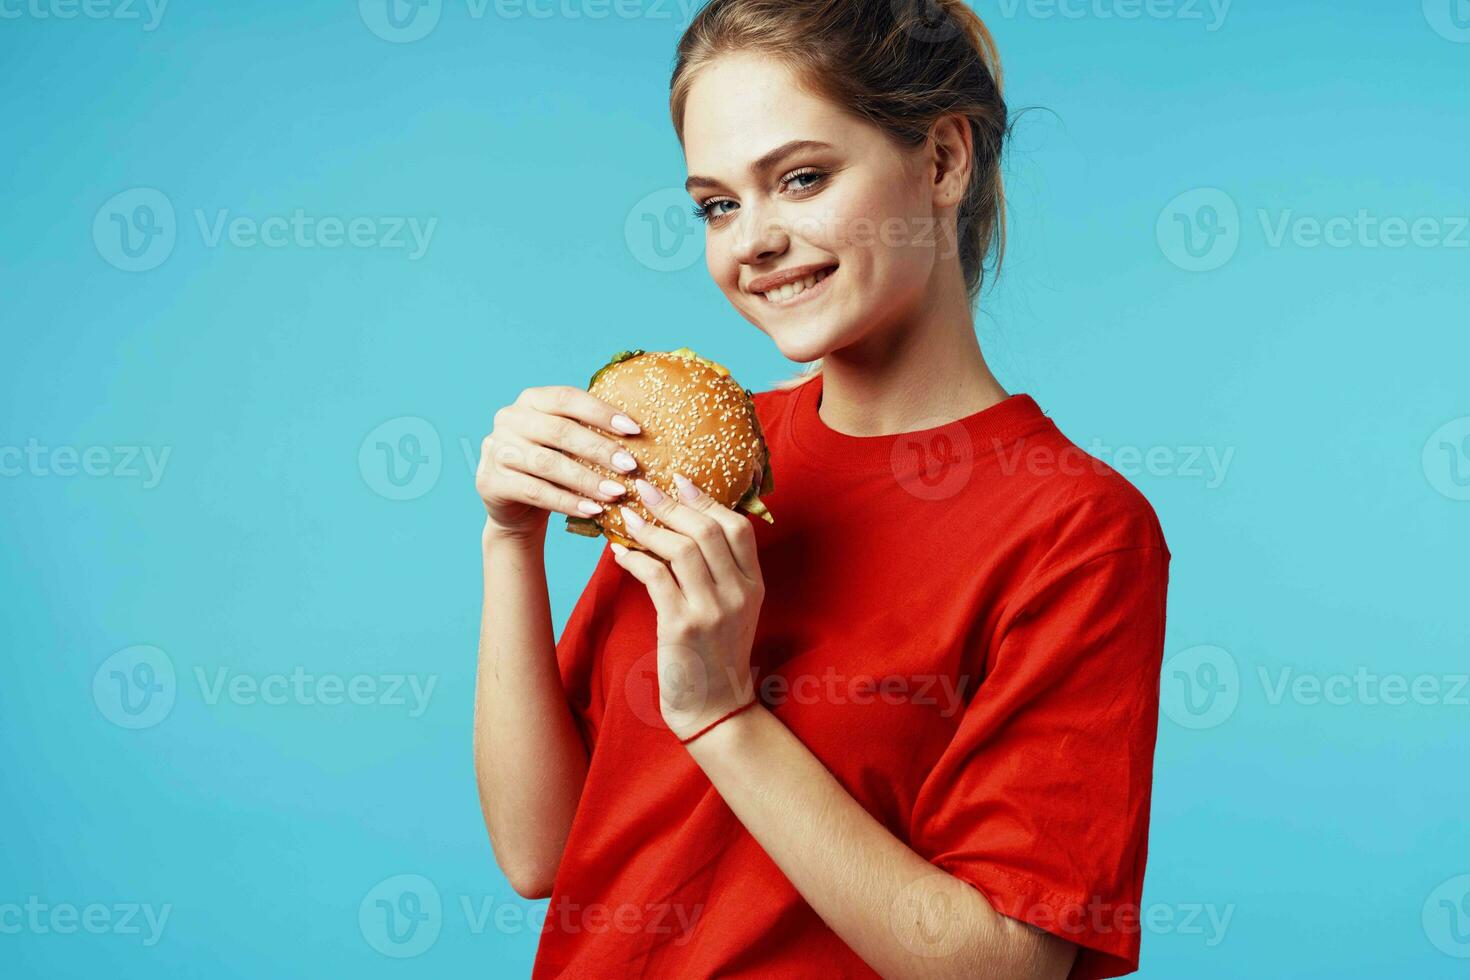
912,374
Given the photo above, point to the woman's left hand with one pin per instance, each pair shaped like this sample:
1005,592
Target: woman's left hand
708,598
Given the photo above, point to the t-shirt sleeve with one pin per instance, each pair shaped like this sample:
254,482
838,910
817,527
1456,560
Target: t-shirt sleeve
582,638
1041,800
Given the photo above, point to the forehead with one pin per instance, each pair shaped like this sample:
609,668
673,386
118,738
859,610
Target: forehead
741,105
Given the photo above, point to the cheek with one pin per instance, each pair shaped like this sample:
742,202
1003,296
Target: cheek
885,237
724,271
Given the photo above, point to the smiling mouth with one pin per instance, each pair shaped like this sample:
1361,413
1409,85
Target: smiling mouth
801,290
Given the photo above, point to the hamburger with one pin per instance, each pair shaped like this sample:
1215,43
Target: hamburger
695,420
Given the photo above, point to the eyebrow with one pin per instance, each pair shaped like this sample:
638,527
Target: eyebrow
765,162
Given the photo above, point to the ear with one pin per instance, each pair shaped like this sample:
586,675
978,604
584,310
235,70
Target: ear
952,151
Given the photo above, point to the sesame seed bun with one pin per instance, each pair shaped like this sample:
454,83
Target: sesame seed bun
695,420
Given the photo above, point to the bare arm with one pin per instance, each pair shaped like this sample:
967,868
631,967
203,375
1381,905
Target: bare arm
902,915
530,762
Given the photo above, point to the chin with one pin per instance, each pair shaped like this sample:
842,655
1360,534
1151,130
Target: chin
802,349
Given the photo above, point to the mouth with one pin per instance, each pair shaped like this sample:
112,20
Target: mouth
802,290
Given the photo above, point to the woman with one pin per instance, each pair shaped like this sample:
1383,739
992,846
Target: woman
907,730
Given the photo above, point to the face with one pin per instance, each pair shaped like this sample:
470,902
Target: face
791,185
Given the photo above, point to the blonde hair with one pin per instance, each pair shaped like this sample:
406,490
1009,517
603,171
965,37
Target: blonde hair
899,64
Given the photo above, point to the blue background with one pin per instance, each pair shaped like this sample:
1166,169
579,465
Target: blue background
1331,834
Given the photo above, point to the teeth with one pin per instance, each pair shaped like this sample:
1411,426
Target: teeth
783,293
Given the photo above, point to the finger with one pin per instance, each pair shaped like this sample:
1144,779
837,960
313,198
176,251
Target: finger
572,437
668,601
512,452
682,554
583,406
739,535
548,496
692,518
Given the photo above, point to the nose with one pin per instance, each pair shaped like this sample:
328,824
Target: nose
761,237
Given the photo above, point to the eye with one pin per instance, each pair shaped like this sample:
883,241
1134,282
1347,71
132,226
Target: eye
805,179
709,210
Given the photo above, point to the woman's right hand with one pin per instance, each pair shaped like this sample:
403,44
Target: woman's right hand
530,463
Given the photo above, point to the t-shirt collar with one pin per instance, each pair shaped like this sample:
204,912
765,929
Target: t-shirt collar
972,436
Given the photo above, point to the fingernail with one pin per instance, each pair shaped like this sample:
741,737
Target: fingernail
624,460
589,508
624,424
631,518
619,549
687,490
612,488
650,493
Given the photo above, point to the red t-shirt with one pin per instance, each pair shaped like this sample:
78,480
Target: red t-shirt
965,624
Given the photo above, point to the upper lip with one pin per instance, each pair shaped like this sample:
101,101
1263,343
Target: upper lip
764,284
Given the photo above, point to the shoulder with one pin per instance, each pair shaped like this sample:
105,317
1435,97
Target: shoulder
1091,550
1078,506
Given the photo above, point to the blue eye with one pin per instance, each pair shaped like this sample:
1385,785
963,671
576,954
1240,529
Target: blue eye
816,176
706,211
